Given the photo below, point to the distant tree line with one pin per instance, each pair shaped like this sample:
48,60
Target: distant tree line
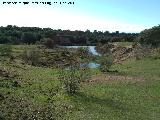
31,35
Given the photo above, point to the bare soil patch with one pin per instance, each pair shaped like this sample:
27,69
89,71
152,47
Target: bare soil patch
104,77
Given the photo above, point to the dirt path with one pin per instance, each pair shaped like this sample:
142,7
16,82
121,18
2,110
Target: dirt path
104,77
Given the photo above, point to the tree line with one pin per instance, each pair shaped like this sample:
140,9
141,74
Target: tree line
32,35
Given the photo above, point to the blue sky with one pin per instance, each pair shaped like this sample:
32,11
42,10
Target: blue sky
134,11
111,15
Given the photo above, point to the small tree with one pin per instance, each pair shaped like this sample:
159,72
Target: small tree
31,56
73,75
105,63
106,58
48,42
84,54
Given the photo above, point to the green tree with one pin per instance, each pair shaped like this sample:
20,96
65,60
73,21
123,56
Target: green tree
30,38
150,37
73,74
48,42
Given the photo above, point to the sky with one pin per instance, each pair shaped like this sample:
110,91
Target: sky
100,15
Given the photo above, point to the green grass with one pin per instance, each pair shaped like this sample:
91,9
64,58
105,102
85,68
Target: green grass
119,100
147,67
113,100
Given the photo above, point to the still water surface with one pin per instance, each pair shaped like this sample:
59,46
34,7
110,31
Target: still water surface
92,50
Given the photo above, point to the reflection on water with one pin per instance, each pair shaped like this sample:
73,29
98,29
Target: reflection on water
93,65
92,50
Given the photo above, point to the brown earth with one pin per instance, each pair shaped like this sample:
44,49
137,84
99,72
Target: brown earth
104,77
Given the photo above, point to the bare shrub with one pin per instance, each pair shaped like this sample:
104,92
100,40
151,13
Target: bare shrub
31,56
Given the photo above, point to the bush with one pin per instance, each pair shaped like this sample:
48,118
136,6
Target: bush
156,53
70,78
5,50
73,75
83,52
104,48
142,51
106,58
48,42
31,56
16,108
105,63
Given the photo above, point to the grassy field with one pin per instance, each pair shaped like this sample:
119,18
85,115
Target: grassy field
35,93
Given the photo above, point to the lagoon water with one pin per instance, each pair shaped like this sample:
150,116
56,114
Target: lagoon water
93,65
92,50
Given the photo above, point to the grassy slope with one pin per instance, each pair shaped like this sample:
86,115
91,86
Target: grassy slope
125,100
114,100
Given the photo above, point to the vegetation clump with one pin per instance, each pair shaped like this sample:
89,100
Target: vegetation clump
150,37
73,74
105,63
31,56
16,108
5,52
48,43
106,58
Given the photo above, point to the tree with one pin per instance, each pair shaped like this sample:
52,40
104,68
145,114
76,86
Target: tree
48,42
73,74
150,37
106,58
106,61
4,39
30,38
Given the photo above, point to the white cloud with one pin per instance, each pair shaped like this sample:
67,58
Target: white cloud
58,19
